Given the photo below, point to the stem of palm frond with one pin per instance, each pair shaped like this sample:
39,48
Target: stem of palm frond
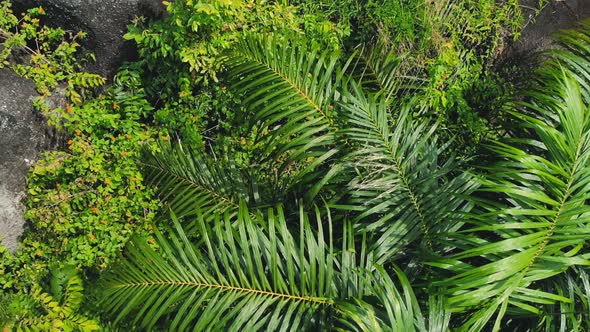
230,289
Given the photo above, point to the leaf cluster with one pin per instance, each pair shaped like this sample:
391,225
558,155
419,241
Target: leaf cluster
51,57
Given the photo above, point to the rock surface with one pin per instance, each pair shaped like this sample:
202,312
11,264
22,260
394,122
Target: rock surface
556,15
22,136
105,21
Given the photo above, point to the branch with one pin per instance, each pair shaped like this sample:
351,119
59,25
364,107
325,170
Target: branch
7,35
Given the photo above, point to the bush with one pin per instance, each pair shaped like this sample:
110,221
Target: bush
89,199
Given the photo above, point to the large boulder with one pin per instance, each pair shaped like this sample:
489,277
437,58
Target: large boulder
105,21
556,15
22,137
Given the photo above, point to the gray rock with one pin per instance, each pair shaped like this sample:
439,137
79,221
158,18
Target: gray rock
22,137
105,21
556,15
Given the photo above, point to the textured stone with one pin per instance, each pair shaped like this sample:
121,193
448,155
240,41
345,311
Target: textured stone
105,21
22,136
555,15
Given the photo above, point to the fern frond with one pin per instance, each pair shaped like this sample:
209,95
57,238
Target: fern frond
57,315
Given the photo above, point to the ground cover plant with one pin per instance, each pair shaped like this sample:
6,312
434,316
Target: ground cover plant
332,165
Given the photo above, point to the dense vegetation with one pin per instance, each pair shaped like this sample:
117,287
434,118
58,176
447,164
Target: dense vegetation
306,165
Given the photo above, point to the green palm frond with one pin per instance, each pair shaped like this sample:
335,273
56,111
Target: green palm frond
389,308
573,54
290,92
379,69
541,230
402,190
254,273
575,314
186,179
252,276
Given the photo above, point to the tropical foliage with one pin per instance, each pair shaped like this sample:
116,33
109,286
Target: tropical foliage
60,307
53,58
323,184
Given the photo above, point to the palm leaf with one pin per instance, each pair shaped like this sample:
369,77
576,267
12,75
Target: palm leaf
253,273
378,68
572,54
574,314
390,308
290,92
248,277
509,252
187,179
402,190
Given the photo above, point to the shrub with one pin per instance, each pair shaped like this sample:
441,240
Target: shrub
89,199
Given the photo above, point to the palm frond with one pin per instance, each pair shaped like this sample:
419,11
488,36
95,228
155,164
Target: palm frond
389,308
187,179
575,314
254,273
510,252
572,54
378,68
402,190
248,275
290,92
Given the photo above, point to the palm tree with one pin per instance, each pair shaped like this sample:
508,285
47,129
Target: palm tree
312,139
522,255
360,223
